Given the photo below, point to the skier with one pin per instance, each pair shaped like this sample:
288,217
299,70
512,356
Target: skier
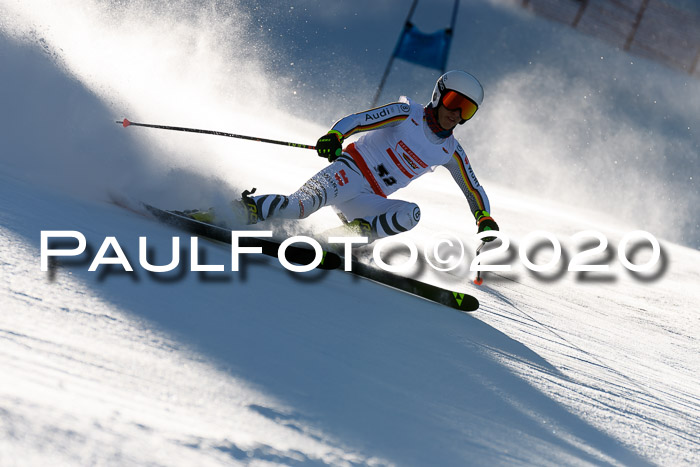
401,141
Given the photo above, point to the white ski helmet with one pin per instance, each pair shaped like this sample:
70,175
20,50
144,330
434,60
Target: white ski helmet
462,83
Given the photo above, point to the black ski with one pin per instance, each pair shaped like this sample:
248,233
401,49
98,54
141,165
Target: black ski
457,300
303,256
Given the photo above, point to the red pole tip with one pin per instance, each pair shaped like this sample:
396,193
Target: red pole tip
126,123
479,281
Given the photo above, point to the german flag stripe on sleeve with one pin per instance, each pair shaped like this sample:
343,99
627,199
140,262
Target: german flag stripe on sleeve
373,126
468,181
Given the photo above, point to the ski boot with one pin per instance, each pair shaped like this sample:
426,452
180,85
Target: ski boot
246,207
354,228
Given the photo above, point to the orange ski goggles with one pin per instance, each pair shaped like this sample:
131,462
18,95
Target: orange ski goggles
453,100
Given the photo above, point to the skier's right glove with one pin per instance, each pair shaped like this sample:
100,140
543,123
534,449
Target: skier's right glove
330,145
485,223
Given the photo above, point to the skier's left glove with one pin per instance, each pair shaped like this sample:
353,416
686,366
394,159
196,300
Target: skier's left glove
485,223
330,145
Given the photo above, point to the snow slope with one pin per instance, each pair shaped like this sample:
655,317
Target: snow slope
266,366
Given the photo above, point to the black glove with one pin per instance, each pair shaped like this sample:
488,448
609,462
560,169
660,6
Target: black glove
485,223
330,145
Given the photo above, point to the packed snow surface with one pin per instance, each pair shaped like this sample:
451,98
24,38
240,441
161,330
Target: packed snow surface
266,366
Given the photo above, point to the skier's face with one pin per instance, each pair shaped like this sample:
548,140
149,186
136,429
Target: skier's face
448,119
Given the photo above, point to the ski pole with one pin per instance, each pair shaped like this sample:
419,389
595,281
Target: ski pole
125,123
479,280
